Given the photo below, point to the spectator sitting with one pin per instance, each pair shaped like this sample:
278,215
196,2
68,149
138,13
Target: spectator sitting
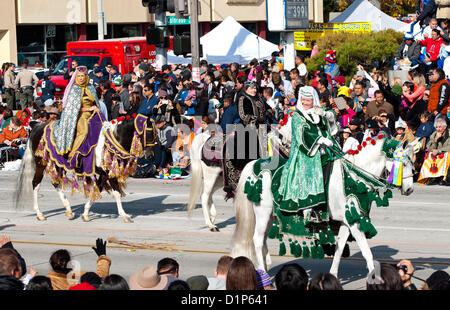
198,283
426,127
291,277
115,282
6,118
10,270
91,278
12,137
408,50
170,268
62,276
433,47
324,282
374,107
341,88
220,274
439,280
178,285
39,283
349,142
241,275
384,277
434,24
433,170
148,279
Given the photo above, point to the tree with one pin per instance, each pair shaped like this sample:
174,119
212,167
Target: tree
391,7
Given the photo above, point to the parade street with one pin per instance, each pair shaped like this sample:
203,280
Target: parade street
415,228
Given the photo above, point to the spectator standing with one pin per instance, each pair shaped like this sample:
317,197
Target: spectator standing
301,67
331,67
439,92
107,93
73,66
165,140
48,90
122,90
26,82
10,86
149,102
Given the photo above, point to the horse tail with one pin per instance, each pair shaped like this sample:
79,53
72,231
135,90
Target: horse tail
242,241
24,185
196,172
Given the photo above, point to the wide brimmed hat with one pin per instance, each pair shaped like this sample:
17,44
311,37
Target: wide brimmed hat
148,279
331,56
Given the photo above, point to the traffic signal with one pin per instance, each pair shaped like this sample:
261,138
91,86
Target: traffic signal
181,45
181,8
154,36
151,5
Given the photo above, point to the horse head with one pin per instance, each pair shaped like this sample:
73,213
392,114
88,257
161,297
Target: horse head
402,157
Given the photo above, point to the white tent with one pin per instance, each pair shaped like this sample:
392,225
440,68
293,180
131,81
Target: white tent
230,42
364,11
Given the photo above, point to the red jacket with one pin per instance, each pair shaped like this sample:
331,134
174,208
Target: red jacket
433,47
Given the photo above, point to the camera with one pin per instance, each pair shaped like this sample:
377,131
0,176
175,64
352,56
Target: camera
401,267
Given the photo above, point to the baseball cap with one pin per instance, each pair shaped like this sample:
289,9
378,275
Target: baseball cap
408,36
118,82
340,80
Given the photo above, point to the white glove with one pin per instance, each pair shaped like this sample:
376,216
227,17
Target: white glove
319,111
325,141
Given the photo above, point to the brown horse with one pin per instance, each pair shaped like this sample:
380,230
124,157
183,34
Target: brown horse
109,175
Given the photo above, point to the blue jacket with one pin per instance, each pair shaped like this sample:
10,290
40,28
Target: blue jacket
48,90
147,105
230,116
425,130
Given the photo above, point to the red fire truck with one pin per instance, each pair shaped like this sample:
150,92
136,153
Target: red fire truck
123,53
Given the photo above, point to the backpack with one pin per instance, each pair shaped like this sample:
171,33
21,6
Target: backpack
145,169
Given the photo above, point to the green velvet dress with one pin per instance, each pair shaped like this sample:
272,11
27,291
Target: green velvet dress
301,184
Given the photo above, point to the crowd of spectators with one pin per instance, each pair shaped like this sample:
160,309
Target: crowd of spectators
232,274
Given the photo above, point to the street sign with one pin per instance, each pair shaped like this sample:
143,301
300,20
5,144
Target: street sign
297,14
51,31
172,20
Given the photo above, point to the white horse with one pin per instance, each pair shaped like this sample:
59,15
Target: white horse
206,180
253,221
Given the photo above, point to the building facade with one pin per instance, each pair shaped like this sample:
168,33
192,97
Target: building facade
40,29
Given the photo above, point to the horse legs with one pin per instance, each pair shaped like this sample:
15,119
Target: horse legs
363,245
263,215
64,200
117,194
87,207
344,233
209,210
38,175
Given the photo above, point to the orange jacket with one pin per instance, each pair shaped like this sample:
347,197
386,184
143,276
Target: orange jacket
439,96
7,134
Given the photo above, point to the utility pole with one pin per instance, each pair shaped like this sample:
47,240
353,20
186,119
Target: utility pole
195,48
101,20
161,52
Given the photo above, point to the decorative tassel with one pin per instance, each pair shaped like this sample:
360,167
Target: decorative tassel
113,172
322,237
136,146
40,150
86,188
298,249
274,230
75,186
96,195
65,180
313,250
305,251
330,235
348,216
320,252
282,251
292,247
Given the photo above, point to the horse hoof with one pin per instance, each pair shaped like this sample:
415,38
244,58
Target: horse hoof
215,229
41,218
69,215
85,218
127,219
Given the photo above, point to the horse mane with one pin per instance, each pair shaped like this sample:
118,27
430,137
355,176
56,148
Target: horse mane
36,135
124,133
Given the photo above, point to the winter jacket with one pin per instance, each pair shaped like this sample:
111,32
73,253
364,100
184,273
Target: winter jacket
60,282
443,144
9,283
413,52
10,135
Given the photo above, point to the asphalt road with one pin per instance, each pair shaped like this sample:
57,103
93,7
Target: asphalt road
415,227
